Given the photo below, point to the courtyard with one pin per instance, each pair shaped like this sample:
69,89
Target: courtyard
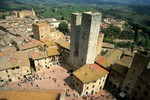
55,78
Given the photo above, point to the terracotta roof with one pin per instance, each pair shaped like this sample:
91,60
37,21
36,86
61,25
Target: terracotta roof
32,44
128,53
48,42
14,60
9,49
39,55
52,51
41,24
7,63
63,43
120,68
29,94
101,60
126,60
113,55
4,54
90,73
123,65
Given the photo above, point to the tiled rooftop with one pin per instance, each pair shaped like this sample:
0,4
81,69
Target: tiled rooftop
89,73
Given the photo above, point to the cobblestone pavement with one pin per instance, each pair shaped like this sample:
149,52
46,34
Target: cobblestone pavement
55,78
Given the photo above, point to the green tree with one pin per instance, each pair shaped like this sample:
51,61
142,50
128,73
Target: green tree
63,27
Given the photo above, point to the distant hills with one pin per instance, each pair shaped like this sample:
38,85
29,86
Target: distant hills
124,2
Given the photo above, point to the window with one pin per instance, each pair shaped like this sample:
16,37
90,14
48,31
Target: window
103,80
145,93
86,93
13,68
127,88
8,75
139,87
135,93
17,67
9,80
142,98
100,82
87,88
100,88
6,71
93,86
133,71
82,59
77,83
82,37
27,70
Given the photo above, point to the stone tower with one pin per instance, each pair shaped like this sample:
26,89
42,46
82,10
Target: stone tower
99,44
41,30
88,39
74,41
139,63
85,29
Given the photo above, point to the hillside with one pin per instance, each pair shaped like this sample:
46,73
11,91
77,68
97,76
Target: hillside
137,11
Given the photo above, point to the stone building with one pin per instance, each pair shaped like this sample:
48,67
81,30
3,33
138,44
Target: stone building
14,67
108,59
25,13
99,44
118,73
84,33
142,87
46,59
41,30
33,45
89,79
138,65
65,50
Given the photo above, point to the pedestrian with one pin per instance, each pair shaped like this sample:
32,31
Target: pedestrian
19,84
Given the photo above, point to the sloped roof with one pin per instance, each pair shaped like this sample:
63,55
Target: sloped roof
14,60
32,44
30,94
101,60
109,58
120,68
53,51
90,73
64,43
41,24
113,55
123,65
39,55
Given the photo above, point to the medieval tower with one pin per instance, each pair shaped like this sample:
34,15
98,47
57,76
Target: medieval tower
41,30
139,63
75,33
85,31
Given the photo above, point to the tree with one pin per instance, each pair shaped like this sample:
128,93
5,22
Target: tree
63,27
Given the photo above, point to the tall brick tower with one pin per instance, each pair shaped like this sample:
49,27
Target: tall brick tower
88,37
41,30
85,29
139,63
